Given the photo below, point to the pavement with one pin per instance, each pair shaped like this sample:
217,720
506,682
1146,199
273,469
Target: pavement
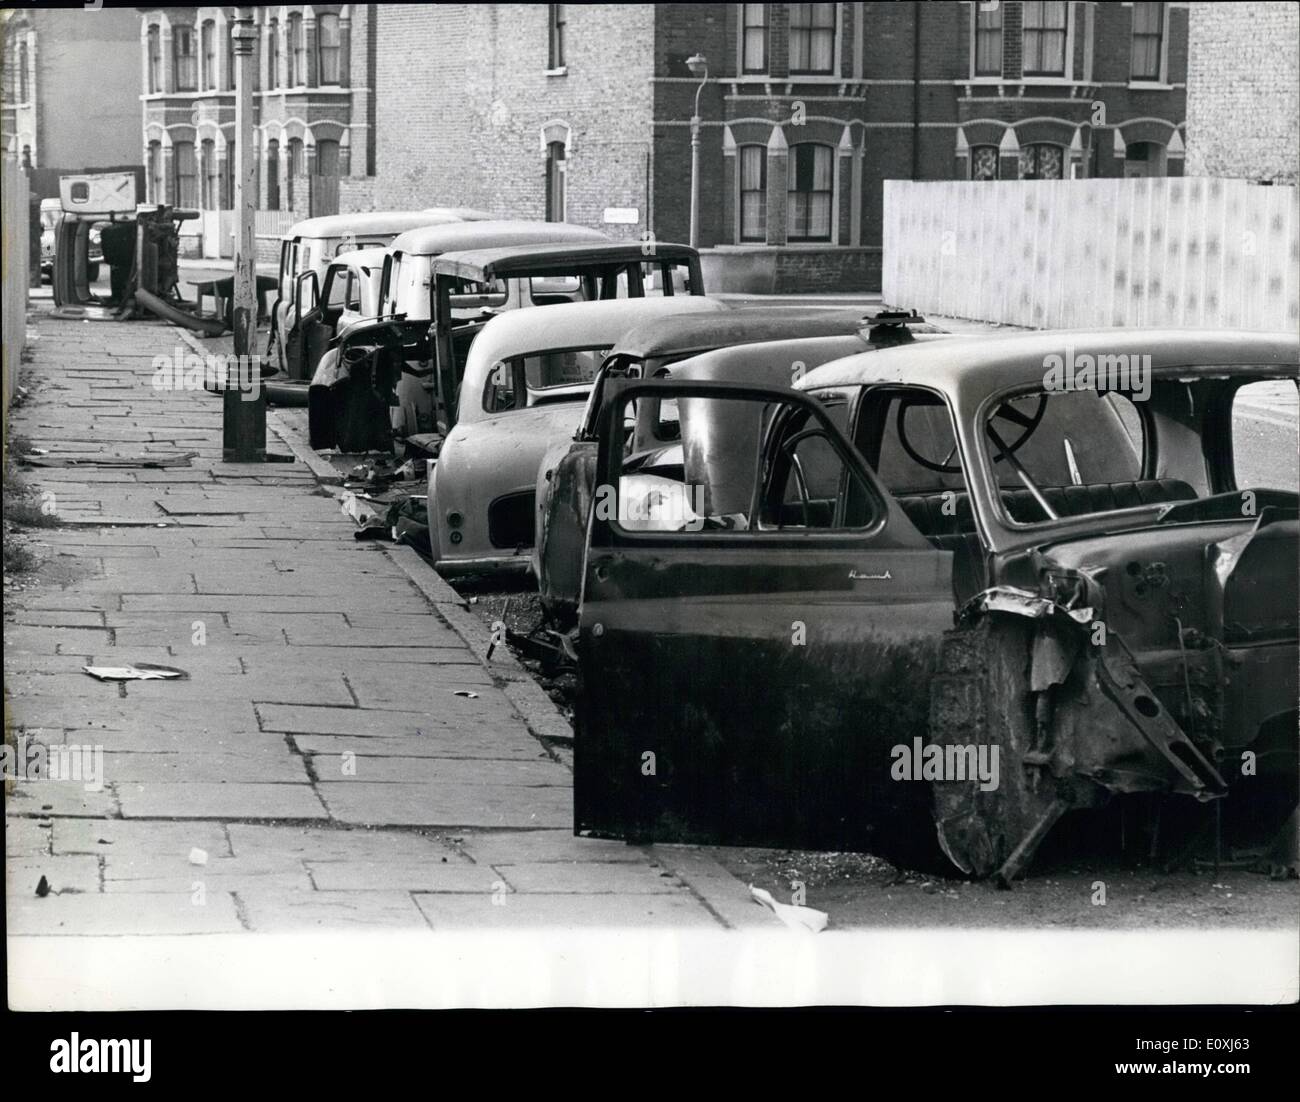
342,755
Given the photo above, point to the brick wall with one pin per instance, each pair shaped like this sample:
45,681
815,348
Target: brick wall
1242,91
464,128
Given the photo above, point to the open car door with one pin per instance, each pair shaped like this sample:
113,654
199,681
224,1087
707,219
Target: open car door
306,337
758,628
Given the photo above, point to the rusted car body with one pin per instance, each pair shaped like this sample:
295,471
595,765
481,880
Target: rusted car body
941,557
525,380
466,276
769,346
306,251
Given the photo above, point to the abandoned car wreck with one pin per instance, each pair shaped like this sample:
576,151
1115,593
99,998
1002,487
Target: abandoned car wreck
942,542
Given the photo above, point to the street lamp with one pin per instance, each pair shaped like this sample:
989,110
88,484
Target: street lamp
698,64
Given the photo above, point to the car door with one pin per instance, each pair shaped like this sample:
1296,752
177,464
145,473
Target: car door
755,641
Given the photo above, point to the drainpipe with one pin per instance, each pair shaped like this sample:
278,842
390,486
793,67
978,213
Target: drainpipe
916,89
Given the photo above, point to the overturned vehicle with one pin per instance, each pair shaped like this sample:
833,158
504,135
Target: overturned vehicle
935,599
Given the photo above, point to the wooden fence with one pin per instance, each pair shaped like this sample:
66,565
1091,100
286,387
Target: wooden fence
1172,251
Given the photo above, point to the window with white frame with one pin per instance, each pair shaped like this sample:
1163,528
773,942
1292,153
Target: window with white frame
153,54
1148,41
557,23
555,168
184,59
810,187
208,174
988,40
751,175
1044,38
296,47
812,39
208,51
329,47
184,175
753,38
273,54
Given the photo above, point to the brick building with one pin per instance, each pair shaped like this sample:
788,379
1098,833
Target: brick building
583,113
1243,91
70,87
313,109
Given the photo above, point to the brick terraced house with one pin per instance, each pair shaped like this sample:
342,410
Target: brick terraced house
312,106
582,112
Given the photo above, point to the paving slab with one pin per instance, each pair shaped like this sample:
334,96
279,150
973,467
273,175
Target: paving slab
61,874
566,911
139,838
591,877
467,805
235,800
274,912
403,875
107,915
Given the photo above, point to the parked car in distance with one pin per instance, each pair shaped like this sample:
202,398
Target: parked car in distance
526,379
1123,590
772,346
308,247
411,392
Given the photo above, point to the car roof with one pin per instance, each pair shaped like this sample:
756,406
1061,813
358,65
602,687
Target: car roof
970,367
434,240
374,221
758,358
741,325
465,214
537,258
574,324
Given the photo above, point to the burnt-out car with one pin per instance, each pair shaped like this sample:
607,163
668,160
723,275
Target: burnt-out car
936,598
769,346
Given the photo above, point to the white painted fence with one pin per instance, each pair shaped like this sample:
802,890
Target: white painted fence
1157,251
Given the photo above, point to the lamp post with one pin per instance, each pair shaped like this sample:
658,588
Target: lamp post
699,66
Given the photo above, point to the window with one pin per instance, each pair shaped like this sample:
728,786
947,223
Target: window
988,41
555,182
297,50
1148,31
1044,38
984,162
556,22
208,172
753,38
327,35
812,38
208,48
185,61
154,55
293,169
24,82
230,59
810,186
273,175
185,175
226,197
1041,162
1144,159
352,298
752,165
273,54
327,157
1264,435
154,168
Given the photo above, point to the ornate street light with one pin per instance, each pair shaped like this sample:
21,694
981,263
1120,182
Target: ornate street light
698,64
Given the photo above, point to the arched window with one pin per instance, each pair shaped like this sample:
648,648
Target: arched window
294,168
751,171
810,188
297,49
184,59
1144,159
1041,161
555,198
208,173
208,53
154,55
185,173
327,157
155,172
329,45
273,54
984,162
273,175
